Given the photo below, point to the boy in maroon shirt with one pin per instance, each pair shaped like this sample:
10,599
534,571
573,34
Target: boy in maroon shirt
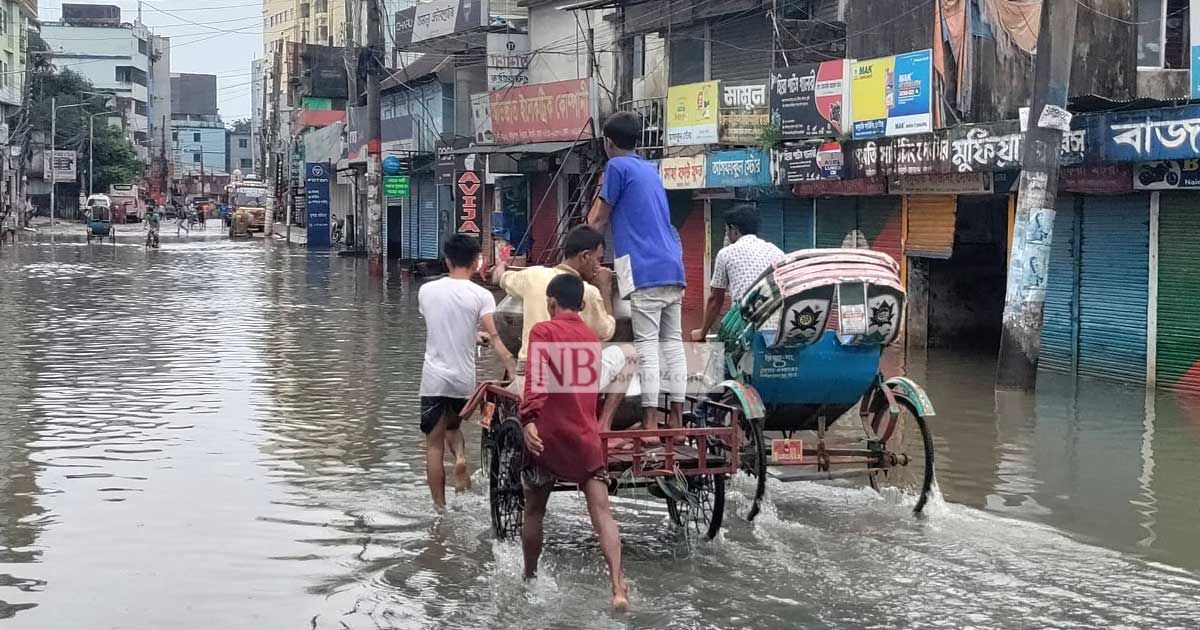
561,429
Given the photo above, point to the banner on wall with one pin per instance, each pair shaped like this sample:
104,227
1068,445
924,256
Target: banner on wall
543,112
810,163
740,168
692,114
808,100
892,96
679,173
744,111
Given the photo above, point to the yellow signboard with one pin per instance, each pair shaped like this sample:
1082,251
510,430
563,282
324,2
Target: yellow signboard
692,114
869,81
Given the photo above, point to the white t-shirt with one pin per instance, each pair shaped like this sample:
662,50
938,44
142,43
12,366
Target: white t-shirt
452,310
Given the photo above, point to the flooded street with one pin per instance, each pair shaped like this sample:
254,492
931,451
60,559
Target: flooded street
223,434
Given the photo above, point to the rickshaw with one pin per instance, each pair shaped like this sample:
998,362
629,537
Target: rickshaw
802,349
100,224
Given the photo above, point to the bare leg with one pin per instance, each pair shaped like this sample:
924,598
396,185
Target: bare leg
596,494
435,470
457,445
531,528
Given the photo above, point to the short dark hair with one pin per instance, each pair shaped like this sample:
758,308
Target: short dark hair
567,290
583,238
624,129
461,250
743,217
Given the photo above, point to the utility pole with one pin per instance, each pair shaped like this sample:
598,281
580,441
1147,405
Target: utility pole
624,54
1033,229
375,210
53,132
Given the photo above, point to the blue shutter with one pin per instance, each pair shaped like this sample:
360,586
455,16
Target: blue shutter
409,249
427,219
770,215
1058,321
798,216
1113,287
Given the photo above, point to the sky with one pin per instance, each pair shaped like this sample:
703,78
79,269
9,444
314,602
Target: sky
218,37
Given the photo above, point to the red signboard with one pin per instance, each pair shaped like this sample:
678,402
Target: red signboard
470,192
1096,179
860,186
544,112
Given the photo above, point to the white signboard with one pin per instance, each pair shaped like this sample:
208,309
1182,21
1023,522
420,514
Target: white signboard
481,118
946,184
63,165
507,60
443,17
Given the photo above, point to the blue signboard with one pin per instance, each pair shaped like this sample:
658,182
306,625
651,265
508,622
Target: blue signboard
741,168
316,202
392,165
1195,69
1169,133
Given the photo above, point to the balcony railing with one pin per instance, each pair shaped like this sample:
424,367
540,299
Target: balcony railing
654,124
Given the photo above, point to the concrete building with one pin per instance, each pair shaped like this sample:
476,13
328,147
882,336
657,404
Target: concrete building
158,176
197,133
114,55
241,153
16,18
258,69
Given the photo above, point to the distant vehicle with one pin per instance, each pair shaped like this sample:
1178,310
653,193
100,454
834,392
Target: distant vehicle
249,205
129,197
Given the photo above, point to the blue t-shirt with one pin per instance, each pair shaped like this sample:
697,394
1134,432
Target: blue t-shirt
641,222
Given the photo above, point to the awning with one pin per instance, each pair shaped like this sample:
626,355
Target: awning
542,148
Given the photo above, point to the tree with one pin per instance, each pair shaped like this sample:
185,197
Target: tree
241,126
114,157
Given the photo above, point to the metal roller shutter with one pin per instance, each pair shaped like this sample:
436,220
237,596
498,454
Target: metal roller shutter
691,234
837,218
410,237
1113,287
798,218
544,219
737,49
1059,311
427,219
931,225
1178,343
687,55
770,215
880,220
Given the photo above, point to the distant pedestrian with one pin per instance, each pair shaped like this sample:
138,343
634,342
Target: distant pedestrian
454,308
8,227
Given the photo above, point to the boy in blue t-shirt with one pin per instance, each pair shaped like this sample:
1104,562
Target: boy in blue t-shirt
649,262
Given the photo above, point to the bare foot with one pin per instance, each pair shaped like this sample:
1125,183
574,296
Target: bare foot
462,480
620,600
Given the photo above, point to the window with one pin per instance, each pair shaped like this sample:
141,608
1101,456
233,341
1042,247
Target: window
139,108
196,137
322,33
243,143
122,74
3,74
142,47
304,9
3,22
247,163
1162,34
320,6
639,55
196,157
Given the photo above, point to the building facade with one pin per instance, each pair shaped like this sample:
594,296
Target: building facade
241,153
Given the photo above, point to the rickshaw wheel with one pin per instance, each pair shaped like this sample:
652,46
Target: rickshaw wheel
701,513
909,441
753,461
505,463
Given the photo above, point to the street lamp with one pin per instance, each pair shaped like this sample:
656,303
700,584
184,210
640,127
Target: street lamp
91,141
54,107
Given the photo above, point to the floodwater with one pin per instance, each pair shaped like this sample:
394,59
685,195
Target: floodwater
224,435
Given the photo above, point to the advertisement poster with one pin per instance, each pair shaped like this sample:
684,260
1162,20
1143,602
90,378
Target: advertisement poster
316,202
740,168
680,173
543,112
1194,28
810,163
744,111
692,114
61,168
808,100
1171,175
892,96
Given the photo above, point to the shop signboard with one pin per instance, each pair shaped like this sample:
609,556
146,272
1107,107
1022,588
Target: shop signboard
808,100
507,60
692,114
865,186
739,168
910,155
543,112
810,163
998,147
1094,179
316,202
1167,133
1194,28
892,96
395,186
744,112
942,184
59,168
1168,175
437,18
682,172
468,195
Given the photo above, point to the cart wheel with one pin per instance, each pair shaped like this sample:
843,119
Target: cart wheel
753,461
701,510
506,461
909,446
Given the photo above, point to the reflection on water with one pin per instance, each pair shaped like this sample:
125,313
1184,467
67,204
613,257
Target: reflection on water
224,434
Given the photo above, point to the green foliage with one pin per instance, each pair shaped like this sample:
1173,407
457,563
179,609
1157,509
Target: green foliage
769,137
241,126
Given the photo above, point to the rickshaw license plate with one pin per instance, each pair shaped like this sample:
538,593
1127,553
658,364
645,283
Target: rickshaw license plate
852,319
787,451
489,410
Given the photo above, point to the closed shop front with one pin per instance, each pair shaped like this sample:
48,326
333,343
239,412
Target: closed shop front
872,222
428,227
737,49
930,225
1178,343
692,236
1097,292
544,218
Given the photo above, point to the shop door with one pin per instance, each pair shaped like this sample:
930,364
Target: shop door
691,235
1060,309
798,218
1113,287
770,216
1178,343
427,219
931,220
872,222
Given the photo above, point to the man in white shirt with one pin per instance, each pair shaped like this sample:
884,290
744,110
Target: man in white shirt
738,265
454,309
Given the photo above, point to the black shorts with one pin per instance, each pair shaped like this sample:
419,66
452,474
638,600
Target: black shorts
433,408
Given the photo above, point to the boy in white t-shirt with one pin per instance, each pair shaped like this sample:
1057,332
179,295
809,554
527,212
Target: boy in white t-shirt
454,308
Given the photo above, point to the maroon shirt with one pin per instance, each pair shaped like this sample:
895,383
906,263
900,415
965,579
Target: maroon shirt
562,384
